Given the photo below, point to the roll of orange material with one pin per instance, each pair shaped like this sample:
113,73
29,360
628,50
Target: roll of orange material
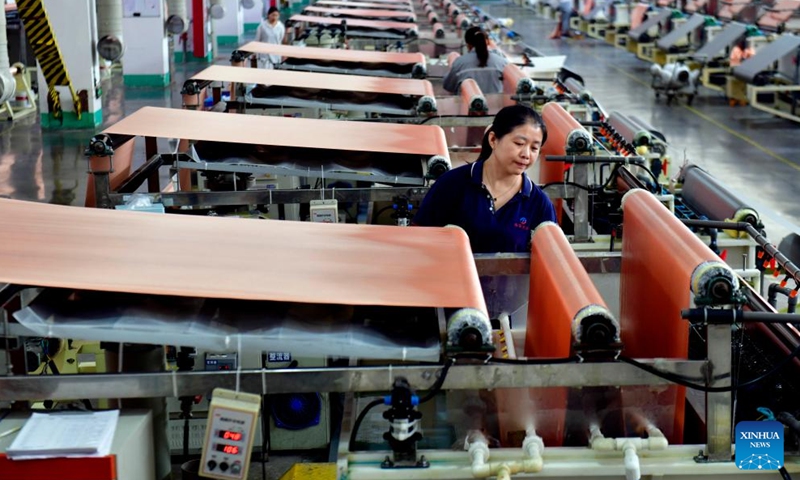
515,81
462,22
438,31
564,308
473,98
433,18
452,57
515,412
660,260
427,8
559,126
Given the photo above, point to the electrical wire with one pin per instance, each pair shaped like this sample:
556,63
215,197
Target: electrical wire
703,388
784,473
357,424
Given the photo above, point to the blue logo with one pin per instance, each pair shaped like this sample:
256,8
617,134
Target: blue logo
759,445
523,220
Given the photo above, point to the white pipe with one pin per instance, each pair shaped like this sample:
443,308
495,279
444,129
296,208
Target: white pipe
478,449
177,8
632,470
109,19
7,83
505,326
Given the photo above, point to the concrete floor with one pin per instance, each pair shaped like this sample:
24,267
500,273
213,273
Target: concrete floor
753,153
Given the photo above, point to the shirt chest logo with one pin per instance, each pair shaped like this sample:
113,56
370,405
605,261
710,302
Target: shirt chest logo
522,224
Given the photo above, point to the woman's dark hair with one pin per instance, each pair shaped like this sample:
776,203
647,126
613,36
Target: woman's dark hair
272,9
475,38
507,120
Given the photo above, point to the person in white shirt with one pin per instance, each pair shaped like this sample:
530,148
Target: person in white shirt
271,30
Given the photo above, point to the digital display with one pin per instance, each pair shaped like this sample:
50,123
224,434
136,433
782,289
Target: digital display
229,435
229,449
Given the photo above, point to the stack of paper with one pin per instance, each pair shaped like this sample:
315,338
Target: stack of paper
65,434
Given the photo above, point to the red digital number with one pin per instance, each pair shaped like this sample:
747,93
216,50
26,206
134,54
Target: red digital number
231,449
235,436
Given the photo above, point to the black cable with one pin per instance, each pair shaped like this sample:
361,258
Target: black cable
437,386
357,425
703,388
598,188
784,473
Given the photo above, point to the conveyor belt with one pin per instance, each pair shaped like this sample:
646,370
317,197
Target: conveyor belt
721,41
342,61
661,259
363,13
516,82
230,258
379,6
778,14
639,33
316,81
756,69
685,29
357,27
564,308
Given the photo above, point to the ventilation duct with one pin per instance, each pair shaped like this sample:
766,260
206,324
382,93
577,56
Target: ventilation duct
7,82
177,17
109,29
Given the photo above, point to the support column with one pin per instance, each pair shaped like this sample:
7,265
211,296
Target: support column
201,48
146,44
74,27
253,16
230,28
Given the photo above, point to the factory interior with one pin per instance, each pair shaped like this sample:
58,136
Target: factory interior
210,265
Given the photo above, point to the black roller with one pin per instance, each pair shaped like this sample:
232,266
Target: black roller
632,133
707,196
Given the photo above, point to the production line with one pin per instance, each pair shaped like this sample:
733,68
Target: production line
573,360
283,91
374,5
355,30
356,62
237,151
361,13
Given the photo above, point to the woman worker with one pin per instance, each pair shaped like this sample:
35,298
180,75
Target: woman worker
493,199
479,64
270,30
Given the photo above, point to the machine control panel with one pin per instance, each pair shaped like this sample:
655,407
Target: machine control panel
230,432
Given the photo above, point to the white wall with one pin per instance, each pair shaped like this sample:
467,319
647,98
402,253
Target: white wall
232,24
75,30
254,15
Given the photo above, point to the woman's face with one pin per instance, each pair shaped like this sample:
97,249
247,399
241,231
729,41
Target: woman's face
273,17
518,150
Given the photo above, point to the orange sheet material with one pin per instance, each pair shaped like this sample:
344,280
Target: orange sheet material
364,13
355,22
638,13
559,125
404,2
317,81
780,13
472,97
334,55
561,292
728,11
659,255
512,76
452,57
386,6
143,253
280,131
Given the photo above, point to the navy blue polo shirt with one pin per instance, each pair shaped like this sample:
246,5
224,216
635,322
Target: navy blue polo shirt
459,198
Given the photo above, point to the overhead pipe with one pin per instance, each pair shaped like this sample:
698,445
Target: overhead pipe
110,45
8,84
177,17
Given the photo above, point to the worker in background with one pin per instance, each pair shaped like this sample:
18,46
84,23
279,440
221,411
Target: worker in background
562,28
493,199
741,52
270,30
478,63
